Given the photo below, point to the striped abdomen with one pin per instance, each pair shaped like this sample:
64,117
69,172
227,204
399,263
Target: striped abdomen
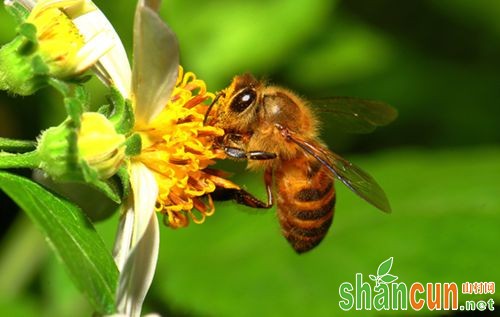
306,198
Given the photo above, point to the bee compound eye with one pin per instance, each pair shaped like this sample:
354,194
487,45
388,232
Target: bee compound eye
243,100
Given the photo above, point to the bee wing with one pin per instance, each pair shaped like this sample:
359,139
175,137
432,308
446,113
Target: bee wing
355,115
357,180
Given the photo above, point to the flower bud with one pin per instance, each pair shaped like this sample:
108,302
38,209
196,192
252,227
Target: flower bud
100,145
95,151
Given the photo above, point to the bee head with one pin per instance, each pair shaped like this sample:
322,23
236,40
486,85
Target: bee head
242,93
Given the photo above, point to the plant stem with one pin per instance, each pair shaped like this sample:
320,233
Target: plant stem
16,145
22,160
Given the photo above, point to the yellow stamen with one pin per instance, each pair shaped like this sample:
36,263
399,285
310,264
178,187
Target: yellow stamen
178,148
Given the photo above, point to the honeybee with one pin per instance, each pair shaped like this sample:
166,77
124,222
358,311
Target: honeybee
277,131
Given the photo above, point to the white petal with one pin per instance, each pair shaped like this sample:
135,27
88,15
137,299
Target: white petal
93,50
112,68
137,245
137,275
27,4
145,191
152,4
124,233
156,62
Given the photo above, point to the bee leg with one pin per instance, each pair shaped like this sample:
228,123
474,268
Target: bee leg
231,144
238,153
243,197
235,152
260,155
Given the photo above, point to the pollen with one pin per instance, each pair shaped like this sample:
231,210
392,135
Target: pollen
179,149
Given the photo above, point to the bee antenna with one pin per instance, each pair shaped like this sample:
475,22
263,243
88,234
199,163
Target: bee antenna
211,106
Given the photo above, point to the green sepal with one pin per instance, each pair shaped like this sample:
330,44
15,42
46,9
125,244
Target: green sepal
107,187
124,177
77,103
58,151
22,71
122,115
105,110
76,99
61,86
134,145
28,30
40,68
78,79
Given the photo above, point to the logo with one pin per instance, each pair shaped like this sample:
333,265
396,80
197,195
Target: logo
387,292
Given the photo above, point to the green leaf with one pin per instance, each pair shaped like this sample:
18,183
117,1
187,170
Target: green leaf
73,238
385,267
388,278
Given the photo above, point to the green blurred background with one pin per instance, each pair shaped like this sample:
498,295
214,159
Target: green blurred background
436,61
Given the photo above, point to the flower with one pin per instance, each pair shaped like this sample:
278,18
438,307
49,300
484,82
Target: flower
169,107
59,38
170,173
168,168
169,176
61,44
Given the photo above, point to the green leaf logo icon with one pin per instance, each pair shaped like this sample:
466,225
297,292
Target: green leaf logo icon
383,276
385,267
389,278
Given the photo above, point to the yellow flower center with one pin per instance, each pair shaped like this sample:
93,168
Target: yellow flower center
72,35
58,38
177,148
